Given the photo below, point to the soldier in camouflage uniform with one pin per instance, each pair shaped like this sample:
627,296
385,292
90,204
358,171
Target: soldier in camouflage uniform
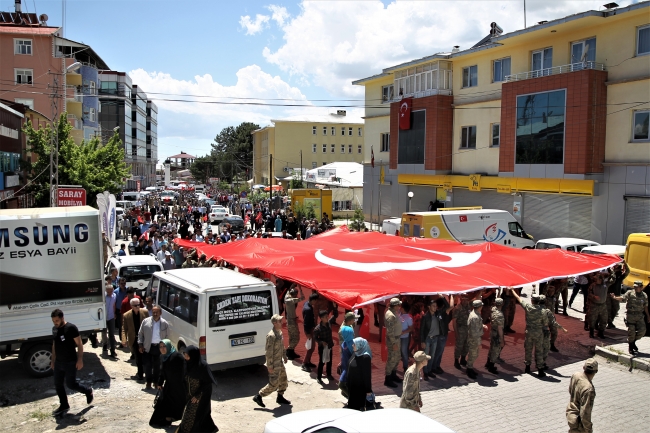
536,323
598,306
411,398
290,304
393,333
190,261
276,357
509,308
461,314
637,303
497,340
551,299
550,335
581,402
475,328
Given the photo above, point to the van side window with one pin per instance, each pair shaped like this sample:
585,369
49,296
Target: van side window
153,288
581,247
515,229
239,308
178,302
570,249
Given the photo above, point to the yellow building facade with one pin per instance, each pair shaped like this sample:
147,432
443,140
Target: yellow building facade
305,142
556,114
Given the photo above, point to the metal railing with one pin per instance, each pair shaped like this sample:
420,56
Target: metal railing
423,94
573,67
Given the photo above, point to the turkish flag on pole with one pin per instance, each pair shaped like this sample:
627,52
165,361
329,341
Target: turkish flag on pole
372,157
405,113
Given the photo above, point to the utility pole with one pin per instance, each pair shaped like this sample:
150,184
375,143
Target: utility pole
524,13
54,140
301,169
270,176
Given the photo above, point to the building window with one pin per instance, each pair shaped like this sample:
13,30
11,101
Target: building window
92,115
24,76
359,150
540,128
333,130
313,148
91,87
349,148
343,148
28,102
342,130
542,62
410,148
496,135
583,51
501,69
23,46
643,40
324,130
313,130
387,93
385,143
333,147
324,148
313,164
360,133
640,130
350,132
468,137
470,76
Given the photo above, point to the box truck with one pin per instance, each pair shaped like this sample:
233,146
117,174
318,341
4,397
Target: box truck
468,226
49,258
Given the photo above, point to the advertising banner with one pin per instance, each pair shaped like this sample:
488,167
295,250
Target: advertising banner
107,213
70,197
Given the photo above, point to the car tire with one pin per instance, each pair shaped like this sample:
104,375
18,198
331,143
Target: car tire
37,360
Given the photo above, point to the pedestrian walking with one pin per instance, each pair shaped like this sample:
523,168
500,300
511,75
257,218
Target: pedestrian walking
460,315
130,329
636,304
411,398
276,357
290,304
171,386
197,417
406,321
346,337
308,324
323,337
598,307
359,377
152,331
393,334
475,329
536,323
497,341
109,340
67,358
581,402
550,335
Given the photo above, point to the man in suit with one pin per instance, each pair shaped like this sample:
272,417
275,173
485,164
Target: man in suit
130,327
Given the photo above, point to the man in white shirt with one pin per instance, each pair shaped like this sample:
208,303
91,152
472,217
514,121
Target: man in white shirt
152,331
161,254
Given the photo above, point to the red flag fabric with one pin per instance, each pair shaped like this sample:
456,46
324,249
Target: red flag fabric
354,269
405,113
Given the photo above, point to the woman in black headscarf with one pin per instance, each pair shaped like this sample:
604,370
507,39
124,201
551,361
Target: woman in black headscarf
172,385
359,375
198,382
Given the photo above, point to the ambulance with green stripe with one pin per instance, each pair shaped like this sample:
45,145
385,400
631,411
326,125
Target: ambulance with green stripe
467,225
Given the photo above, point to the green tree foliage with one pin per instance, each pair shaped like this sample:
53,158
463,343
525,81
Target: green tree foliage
358,220
96,167
202,168
301,210
232,151
296,181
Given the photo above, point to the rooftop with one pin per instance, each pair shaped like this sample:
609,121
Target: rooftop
183,155
202,279
321,118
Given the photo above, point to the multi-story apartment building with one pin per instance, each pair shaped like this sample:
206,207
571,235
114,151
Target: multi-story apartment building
322,139
49,73
152,133
548,122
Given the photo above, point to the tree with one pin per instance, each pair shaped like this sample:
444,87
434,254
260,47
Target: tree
201,168
296,181
232,150
96,167
358,220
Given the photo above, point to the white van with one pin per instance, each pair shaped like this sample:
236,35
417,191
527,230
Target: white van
468,226
391,225
224,313
617,250
132,196
566,244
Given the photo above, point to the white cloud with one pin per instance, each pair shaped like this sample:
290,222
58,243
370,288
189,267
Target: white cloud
256,26
330,44
279,14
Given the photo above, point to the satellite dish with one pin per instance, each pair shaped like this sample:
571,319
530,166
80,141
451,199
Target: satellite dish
43,18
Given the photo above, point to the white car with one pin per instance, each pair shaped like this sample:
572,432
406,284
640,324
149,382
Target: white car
136,269
566,244
352,421
218,213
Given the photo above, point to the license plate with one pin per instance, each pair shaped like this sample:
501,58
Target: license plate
242,341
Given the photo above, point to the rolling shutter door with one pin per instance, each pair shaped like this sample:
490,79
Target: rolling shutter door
487,199
422,195
557,216
386,200
637,216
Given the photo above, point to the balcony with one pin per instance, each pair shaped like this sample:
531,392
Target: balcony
573,67
430,79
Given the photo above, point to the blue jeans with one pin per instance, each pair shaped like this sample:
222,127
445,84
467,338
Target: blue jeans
66,371
404,349
440,347
430,349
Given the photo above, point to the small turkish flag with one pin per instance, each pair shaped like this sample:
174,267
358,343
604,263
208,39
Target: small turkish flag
463,218
405,113
372,157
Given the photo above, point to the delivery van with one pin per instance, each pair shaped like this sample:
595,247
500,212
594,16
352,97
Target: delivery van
391,226
468,226
637,258
226,314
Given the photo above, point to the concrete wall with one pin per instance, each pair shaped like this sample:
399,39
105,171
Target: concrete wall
620,147
485,158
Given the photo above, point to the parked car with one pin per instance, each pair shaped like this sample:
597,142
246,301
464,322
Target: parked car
168,197
618,250
218,213
566,244
235,223
136,269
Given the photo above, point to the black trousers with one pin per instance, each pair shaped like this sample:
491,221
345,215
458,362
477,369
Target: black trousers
66,372
135,350
328,365
152,363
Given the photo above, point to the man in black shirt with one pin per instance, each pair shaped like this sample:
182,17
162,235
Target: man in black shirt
309,323
66,361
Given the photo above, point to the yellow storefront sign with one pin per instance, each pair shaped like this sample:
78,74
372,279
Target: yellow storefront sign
504,189
474,182
447,186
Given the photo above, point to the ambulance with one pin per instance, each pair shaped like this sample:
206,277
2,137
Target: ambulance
467,225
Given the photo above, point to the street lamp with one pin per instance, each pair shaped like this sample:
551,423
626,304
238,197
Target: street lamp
410,194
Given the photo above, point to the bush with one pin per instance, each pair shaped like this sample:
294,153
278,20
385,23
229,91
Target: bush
358,220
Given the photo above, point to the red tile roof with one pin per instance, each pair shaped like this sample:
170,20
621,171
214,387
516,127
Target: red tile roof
28,30
183,155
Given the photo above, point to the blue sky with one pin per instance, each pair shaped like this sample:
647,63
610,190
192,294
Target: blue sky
272,50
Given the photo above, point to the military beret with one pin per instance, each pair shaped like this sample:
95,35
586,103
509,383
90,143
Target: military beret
498,301
477,303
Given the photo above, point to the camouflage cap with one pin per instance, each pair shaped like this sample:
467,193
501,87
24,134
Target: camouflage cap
638,283
477,303
591,365
276,318
498,301
542,298
535,297
395,301
349,315
421,356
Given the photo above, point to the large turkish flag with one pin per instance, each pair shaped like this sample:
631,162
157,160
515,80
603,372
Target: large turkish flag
405,113
355,269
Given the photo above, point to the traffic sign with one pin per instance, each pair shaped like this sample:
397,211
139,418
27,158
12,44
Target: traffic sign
71,197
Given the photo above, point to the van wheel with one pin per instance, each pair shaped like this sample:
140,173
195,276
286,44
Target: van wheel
37,360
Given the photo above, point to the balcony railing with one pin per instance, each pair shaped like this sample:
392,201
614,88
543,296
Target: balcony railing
423,94
573,67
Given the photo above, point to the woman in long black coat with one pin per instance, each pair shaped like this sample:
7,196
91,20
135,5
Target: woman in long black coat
359,376
172,384
199,381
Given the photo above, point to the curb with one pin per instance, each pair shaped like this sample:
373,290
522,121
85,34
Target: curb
632,361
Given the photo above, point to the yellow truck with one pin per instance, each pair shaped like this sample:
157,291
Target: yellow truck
637,258
468,226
